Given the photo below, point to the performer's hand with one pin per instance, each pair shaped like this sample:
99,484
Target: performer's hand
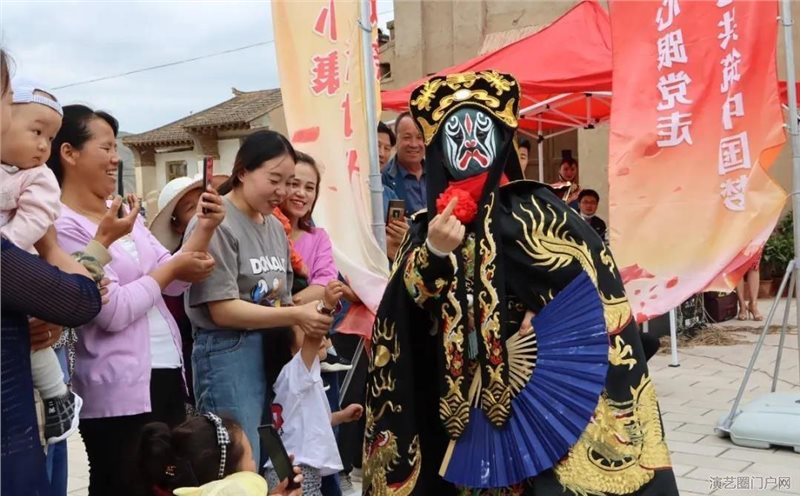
446,232
527,326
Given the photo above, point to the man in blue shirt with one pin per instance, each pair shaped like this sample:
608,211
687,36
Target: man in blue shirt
404,175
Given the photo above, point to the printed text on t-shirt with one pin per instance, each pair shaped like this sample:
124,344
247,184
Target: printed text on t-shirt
264,264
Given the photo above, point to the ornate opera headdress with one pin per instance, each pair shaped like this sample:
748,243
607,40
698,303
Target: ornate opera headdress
496,93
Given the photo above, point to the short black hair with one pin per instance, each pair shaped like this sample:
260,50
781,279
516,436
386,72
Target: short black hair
588,192
525,143
384,129
400,117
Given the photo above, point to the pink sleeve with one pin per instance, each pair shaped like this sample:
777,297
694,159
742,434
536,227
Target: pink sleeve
37,208
127,303
322,268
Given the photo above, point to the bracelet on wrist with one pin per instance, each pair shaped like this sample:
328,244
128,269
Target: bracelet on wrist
321,308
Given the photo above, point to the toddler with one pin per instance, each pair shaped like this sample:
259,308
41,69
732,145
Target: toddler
300,410
29,204
206,451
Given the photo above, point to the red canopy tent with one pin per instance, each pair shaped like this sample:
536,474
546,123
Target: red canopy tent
564,71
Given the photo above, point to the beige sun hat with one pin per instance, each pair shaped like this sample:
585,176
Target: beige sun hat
170,195
168,199
238,484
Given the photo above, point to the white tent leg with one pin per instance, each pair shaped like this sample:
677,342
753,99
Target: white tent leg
540,147
673,337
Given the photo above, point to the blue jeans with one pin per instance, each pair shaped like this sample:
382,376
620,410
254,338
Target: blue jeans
56,461
230,378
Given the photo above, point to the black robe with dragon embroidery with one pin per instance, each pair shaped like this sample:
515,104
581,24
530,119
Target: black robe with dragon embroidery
543,245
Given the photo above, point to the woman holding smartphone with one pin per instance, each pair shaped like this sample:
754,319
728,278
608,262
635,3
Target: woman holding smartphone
249,292
128,363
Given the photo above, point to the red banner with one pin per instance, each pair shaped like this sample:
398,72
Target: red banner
695,125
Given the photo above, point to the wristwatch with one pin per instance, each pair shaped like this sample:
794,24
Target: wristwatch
321,308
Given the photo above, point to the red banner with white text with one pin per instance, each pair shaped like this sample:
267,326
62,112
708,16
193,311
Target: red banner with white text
696,124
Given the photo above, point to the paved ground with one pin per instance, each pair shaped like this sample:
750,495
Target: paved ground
692,397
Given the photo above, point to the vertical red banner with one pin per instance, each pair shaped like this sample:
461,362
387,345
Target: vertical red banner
695,125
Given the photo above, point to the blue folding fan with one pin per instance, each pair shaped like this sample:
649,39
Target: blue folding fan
568,355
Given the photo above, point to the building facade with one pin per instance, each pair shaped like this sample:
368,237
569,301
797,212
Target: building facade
174,150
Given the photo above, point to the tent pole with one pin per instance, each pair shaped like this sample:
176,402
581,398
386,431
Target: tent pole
375,183
540,149
794,133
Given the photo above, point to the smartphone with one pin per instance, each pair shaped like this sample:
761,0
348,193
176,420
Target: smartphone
397,210
271,442
120,190
208,173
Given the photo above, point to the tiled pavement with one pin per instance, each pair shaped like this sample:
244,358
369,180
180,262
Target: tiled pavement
692,398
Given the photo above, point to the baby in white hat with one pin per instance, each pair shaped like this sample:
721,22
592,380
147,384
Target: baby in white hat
29,204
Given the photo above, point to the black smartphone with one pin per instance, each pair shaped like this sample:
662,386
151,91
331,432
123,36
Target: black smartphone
271,442
208,173
120,190
397,210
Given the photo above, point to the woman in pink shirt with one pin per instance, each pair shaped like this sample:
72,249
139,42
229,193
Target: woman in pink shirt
128,361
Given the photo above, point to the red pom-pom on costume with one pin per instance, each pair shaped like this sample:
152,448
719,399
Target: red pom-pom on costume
468,191
466,209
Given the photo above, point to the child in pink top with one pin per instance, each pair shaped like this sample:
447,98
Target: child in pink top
29,205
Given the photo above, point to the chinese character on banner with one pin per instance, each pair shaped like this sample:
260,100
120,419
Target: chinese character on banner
325,73
348,123
733,191
352,163
730,70
373,12
734,153
728,25
674,129
671,49
667,13
326,22
784,483
724,3
733,107
673,88
347,65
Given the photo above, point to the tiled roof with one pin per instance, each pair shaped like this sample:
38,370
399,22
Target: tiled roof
170,134
238,111
231,114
